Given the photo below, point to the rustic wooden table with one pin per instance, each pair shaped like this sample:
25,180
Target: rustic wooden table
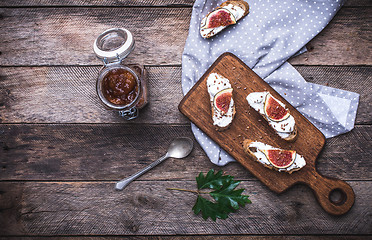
61,151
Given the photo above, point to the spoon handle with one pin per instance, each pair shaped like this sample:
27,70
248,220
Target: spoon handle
124,182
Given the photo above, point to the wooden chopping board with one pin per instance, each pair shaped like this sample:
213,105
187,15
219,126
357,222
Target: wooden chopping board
248,124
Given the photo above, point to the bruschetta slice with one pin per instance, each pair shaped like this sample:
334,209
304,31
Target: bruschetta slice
226,14
274,158
221,100
275,113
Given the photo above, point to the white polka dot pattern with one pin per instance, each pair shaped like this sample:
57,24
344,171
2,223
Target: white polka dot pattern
265,39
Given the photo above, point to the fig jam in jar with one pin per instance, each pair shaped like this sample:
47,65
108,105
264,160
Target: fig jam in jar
120,87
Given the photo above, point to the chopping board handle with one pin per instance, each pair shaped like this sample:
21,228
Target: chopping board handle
335,196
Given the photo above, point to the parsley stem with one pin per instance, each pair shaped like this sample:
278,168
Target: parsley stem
187,190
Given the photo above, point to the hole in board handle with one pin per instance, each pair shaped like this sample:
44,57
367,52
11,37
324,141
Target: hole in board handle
337,196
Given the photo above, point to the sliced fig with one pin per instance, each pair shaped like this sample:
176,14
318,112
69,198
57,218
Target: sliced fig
222,100
280,158
274,110
218,18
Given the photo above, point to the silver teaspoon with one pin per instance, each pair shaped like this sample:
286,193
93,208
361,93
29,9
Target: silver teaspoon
179,148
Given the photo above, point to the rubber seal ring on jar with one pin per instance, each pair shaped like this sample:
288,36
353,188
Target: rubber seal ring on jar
113,45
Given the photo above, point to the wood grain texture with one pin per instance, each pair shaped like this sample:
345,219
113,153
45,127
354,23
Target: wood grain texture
119,3
64,36
246,125
67,94
147,208
198,237
103,152
110,3
358,3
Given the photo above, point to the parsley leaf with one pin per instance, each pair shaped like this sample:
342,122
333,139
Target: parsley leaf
230,199
208,209
211,180
227,199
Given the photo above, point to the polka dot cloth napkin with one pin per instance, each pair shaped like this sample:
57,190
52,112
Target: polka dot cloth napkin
272,32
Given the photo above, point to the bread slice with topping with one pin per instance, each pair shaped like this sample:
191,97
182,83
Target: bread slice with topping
221,100
226,14
275,113
274,158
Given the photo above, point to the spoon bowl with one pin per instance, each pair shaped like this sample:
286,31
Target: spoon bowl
179,148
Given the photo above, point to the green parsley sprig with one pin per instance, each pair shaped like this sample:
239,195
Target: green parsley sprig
226,198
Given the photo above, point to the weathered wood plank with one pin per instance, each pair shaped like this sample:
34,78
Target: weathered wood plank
147,208
358,3
35,3
110,3
64,36
68,95
111,152
199,237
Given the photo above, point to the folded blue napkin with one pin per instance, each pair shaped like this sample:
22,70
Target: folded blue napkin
272,32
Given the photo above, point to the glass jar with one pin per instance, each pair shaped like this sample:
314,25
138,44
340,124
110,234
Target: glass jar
120,87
